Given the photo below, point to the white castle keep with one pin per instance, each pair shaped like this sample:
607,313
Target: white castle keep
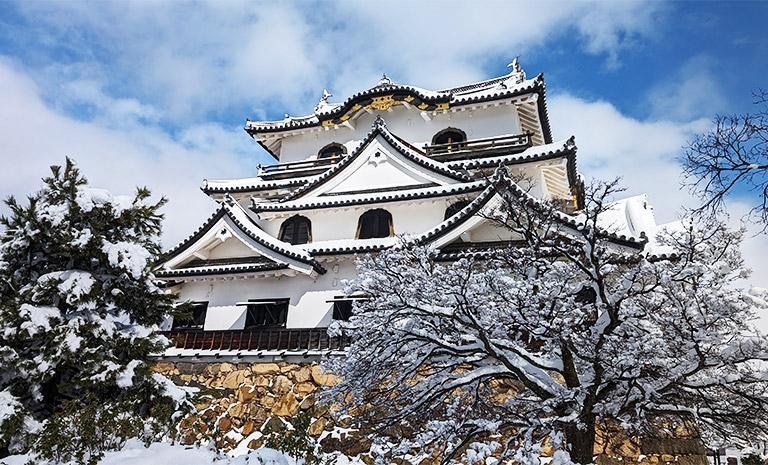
266,271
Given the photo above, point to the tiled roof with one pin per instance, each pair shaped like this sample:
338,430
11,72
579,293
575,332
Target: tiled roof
350,246
380,128
482,91
220,269
231,209
379,197
250,185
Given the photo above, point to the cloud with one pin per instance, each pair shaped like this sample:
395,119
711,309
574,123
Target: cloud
34,136
693,91
643,152
260,56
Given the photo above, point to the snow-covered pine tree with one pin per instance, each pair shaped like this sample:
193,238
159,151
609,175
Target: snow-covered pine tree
78,306
553,341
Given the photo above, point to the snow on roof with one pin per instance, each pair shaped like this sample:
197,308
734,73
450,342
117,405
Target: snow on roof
242,219
379,128
257,266
345,246
251,184
654,247
376,197
496,88
631,216
535,153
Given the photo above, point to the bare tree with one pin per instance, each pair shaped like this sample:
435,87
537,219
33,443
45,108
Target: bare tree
732,156
566,334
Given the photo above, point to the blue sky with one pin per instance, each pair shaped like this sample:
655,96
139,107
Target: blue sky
156,93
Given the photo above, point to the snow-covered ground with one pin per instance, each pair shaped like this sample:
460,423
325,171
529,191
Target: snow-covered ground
134,453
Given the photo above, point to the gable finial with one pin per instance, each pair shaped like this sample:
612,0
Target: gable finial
323,104
516,70
385,80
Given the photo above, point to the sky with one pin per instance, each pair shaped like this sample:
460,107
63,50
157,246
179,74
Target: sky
156,93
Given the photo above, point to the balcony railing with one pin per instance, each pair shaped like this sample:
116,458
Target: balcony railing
485,147
298,168
257,339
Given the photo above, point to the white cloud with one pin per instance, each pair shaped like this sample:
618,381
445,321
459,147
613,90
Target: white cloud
192,59
34,136
692,92
644,154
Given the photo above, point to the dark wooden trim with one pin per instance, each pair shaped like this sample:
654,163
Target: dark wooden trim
256,339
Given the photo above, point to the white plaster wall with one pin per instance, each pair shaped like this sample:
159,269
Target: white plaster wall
490,232
407,217
230,248
407,124
308,297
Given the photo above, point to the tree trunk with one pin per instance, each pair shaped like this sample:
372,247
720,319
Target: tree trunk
581,442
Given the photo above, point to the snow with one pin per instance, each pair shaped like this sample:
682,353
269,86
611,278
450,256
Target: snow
135,453
74,283
129,256
125,378
88,198
8,405
38,317
178,394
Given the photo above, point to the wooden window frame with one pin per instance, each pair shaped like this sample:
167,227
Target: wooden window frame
294,219
191,324
342,148
450,129
260,302
368,212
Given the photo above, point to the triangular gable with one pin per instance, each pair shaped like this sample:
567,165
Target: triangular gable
232,223
475,216
380,161
468,217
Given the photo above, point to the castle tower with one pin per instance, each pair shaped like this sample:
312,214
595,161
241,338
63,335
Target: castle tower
266,271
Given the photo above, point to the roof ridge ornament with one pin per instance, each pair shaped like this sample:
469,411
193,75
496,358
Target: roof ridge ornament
384,81
324,104
517,72
379,122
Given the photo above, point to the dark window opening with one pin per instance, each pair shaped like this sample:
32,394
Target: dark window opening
265,314
375,223
296,230
342,310
454,208
332,150
451,136
196,317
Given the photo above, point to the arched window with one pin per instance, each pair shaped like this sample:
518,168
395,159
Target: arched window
296,230
332,150
454,208
451,136
375,223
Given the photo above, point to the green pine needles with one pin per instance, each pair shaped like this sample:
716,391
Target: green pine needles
78,312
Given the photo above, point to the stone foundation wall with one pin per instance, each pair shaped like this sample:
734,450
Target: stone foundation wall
243,405
240,405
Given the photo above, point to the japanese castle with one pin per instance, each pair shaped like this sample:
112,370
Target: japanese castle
394,162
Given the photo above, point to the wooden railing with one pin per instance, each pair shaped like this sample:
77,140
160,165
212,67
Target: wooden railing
256,339
453,150
304,167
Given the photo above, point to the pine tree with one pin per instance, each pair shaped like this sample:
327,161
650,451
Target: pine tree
78,309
